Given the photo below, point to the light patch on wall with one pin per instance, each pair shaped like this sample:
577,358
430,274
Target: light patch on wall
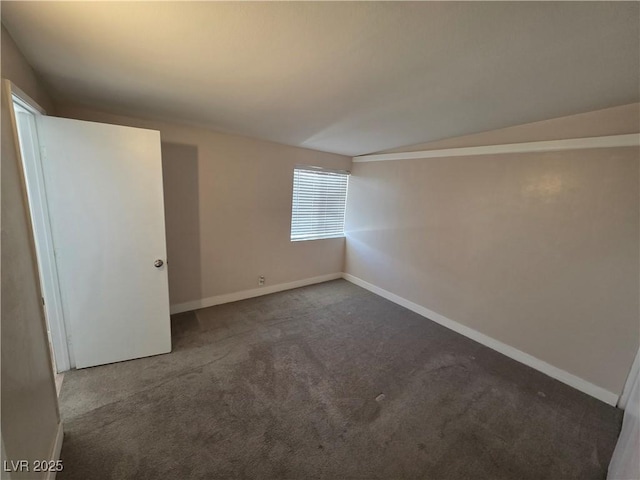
544,187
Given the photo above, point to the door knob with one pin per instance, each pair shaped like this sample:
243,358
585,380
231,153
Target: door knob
158,263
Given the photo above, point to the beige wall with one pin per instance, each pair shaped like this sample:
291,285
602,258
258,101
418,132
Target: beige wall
29,413
537,250
16,69
228,209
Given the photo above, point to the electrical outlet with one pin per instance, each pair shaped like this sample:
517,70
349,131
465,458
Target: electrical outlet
261,280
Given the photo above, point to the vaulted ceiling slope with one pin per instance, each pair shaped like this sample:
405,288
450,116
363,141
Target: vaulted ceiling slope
344,77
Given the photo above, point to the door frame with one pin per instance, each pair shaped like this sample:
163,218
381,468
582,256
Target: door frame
30,153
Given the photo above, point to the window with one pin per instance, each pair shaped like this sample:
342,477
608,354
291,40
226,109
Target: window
319,201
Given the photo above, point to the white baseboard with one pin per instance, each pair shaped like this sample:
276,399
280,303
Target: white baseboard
511,352
55,451
244,294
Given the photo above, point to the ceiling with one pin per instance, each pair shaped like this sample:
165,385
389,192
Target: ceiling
344,77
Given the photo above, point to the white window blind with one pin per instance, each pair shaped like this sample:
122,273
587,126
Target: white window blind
319,201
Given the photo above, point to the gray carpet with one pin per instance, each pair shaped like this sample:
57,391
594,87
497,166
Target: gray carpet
332,382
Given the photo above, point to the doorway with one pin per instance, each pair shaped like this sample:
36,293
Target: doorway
96,204
26,112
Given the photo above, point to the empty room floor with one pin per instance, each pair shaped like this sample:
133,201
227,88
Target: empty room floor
328,381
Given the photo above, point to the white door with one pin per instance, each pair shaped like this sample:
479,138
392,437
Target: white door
104,190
